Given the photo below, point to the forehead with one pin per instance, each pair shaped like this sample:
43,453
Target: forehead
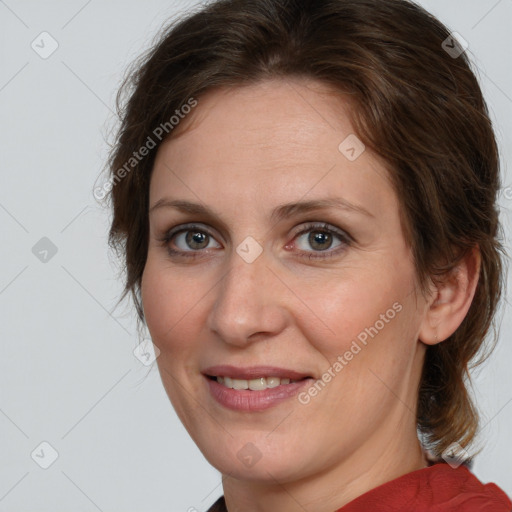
262,142
271,115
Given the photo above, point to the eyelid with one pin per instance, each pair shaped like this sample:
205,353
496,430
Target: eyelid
322,225
189,226
301,228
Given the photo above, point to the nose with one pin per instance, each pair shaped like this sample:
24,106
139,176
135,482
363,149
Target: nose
249,302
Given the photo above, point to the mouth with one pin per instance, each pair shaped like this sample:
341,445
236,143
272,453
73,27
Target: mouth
255,388
257,384
254,378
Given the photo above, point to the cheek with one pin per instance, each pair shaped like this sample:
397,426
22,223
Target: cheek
169,304
330,309
344,308
367,350
171,317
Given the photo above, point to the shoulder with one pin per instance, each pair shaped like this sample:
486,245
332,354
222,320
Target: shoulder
458,489
437,488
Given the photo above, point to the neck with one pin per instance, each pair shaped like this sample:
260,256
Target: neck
364,470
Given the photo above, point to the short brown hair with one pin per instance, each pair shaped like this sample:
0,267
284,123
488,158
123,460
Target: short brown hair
415,105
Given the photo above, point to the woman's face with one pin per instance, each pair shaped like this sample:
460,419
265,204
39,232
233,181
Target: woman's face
255,281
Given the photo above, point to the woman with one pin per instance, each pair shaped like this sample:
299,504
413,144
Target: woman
304,194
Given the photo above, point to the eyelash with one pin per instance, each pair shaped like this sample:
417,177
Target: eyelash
308,227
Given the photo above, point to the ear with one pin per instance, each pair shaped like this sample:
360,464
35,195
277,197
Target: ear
451,299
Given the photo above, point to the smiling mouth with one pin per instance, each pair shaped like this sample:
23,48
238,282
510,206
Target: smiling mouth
258,384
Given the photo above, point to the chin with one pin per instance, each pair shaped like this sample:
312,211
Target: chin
252,461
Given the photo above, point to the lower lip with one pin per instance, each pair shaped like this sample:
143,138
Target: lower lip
252,401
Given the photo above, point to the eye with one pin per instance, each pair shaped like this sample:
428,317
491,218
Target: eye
191,240
321,238
188,239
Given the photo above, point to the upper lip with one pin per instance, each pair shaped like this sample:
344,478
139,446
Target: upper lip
253,372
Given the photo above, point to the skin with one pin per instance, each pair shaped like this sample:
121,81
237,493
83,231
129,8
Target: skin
242,152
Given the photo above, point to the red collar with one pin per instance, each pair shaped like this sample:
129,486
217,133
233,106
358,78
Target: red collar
438,488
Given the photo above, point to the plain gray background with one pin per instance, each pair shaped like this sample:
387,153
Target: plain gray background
68,375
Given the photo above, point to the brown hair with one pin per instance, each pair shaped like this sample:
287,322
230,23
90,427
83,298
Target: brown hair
416,106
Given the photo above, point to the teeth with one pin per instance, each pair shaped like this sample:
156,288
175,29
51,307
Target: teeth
273,382
258,384
240,384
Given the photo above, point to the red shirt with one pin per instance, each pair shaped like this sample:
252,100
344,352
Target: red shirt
438,488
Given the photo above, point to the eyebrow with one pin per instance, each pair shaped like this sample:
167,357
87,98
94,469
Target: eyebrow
280,212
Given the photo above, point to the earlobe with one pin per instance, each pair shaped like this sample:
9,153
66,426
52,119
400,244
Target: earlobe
451,299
